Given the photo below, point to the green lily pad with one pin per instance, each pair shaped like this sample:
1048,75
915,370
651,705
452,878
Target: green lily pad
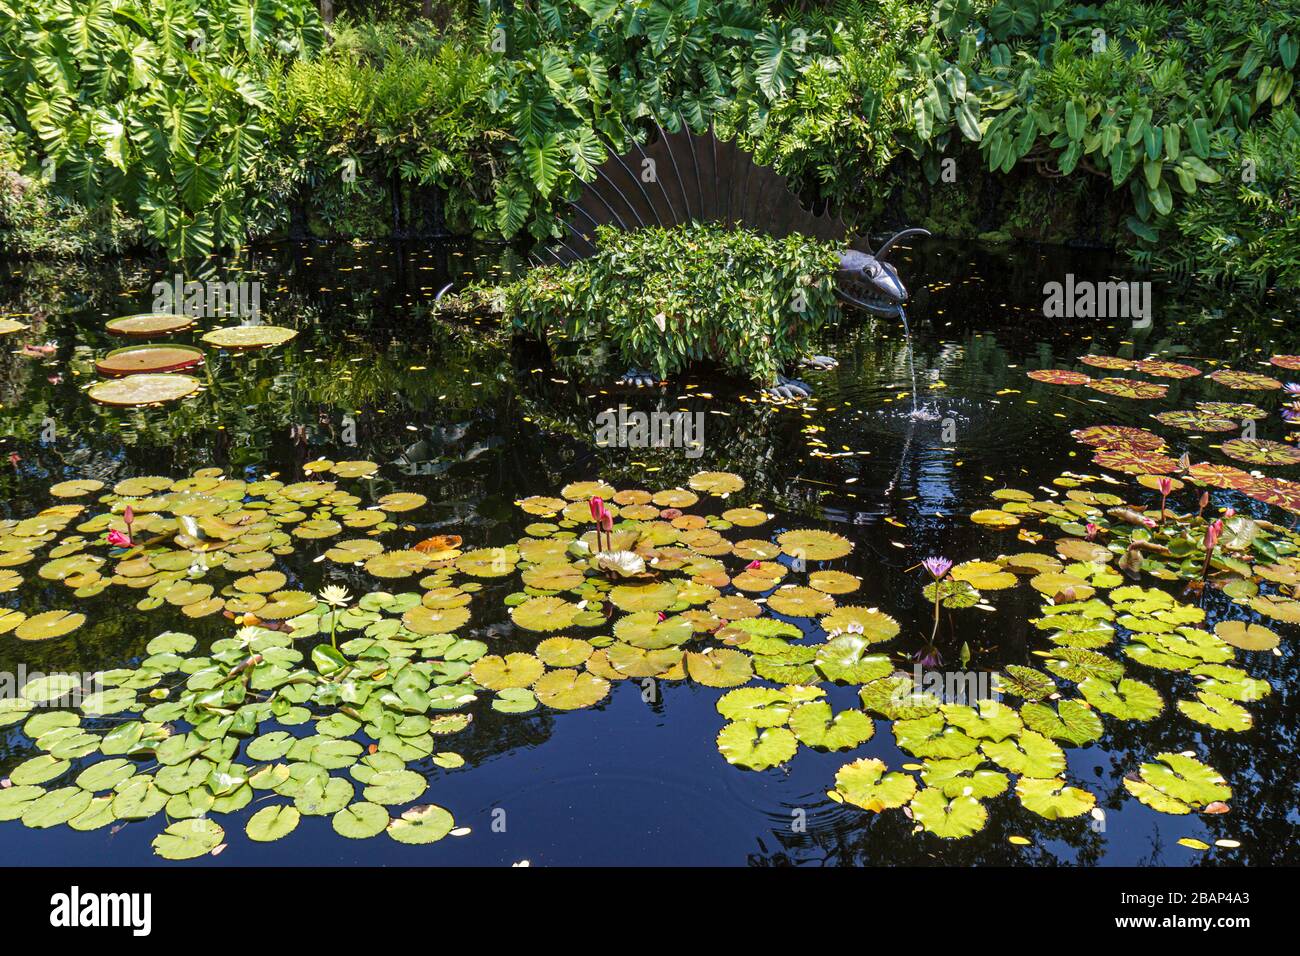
360,821
963,776
392,787
932,736
1053,799
815,726
1129,700
187,839
756,748
1030,755
865,783
1073,721
272,823
993,720
950,819
420,825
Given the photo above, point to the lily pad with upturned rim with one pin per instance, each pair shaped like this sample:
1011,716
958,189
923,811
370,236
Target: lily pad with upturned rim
241,337
135,391
149,324
148,360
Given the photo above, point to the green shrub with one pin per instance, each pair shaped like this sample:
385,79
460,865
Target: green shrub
665,298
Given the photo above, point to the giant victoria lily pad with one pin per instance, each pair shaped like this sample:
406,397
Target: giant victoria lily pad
148,359
241,337
139,390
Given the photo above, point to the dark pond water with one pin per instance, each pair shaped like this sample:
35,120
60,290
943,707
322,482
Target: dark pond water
474,422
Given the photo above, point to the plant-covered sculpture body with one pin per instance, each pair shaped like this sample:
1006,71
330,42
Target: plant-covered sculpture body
685,250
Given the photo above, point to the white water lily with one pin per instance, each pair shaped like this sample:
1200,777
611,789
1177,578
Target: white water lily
623,563
335,596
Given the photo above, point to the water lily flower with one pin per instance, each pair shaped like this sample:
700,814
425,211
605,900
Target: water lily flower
1228,513
753,565
335,596
1201,505
1166,485
1212,533
938,567
1290,416
928,656
118,540
854,628
670,514
1292,388
1091,530
597,508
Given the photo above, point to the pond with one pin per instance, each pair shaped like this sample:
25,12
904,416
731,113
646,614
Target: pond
462,423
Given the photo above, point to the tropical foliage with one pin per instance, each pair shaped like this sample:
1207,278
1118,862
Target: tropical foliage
202,117
158,108
664,298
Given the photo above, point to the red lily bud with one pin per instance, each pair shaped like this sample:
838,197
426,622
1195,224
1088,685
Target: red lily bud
753,565
597,508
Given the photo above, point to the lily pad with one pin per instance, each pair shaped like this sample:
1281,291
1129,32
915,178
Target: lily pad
187,839
756,748
137,391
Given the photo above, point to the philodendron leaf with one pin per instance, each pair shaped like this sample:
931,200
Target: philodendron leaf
948,818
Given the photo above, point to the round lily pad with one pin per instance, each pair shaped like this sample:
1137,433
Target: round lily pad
272,823
239,337
147,359
568,689
50,624
139,390
187,839
420,825
148,325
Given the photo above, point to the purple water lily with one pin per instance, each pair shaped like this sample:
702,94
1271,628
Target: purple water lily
938,567
928,656
1292,388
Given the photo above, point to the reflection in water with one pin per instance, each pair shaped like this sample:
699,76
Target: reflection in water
908,435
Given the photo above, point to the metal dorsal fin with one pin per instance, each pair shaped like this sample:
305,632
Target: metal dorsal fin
692,178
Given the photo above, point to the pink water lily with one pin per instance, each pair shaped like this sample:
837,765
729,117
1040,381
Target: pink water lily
118,540
597,508
1090,531
1166,485
1212,533
753,565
